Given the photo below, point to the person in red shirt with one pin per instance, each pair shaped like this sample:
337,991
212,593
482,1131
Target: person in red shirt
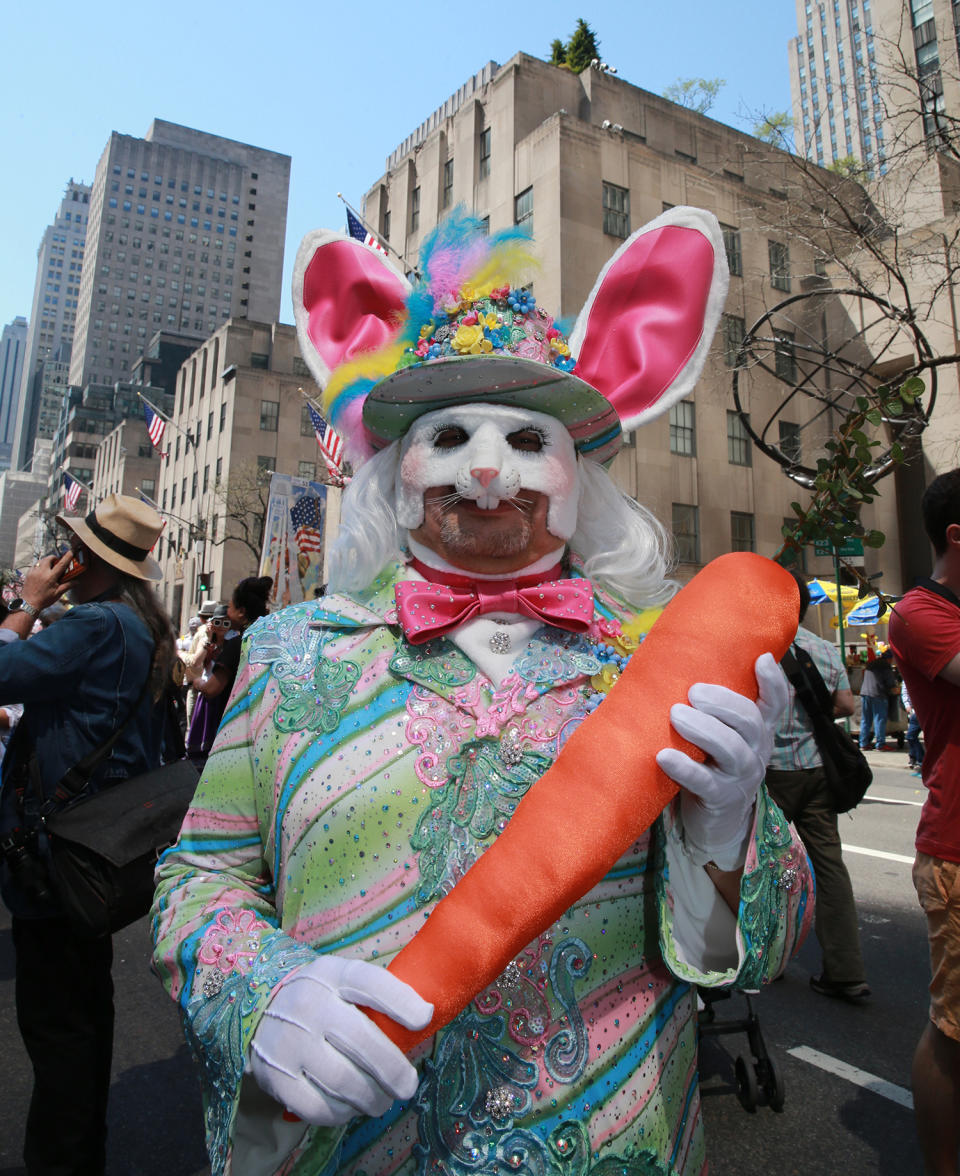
925,636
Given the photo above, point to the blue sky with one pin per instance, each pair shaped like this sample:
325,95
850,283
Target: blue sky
336,87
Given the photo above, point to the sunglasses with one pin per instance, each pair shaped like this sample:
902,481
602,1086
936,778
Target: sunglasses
219,622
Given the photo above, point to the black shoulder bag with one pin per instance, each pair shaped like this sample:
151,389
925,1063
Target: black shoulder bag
104,845
845,766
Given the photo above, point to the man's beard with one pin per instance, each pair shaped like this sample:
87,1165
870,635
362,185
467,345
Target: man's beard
484,539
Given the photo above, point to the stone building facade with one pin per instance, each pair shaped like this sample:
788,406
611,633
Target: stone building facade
239,414
585,160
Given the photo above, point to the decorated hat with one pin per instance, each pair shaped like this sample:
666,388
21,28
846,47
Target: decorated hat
386,352
122,531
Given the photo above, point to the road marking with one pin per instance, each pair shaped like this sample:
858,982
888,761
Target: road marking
896,1094
877,853
890,800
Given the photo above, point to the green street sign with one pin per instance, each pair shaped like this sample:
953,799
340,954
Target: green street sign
847,549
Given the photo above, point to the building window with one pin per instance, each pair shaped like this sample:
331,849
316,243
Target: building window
447,184
686,532
742,536
415,209
733,331
523,208
306,424
386,224
149,486
738,441
219,469
259,360
483,168
790,440
307,469
683,436
779,265
193,486
784,357
731,243
616,210
209,425
269,415
264,469
223,416
206,478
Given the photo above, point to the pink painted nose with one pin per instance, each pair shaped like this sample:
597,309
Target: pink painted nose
484,475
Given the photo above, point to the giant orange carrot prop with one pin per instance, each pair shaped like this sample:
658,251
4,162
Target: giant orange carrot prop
604,789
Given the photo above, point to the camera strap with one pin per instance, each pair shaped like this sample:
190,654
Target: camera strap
74,782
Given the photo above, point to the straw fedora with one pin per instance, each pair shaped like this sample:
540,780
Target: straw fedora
121,530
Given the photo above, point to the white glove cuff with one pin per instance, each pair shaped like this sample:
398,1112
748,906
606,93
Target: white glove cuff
730,856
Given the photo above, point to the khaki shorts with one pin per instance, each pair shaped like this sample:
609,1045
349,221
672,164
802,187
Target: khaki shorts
938,888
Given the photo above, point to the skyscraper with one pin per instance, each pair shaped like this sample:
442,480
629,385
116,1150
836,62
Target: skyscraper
12,346
837,108
871,78
54,309
186,231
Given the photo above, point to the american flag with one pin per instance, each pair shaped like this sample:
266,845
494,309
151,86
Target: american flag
330,442
155,428
307,517
72,491
359,232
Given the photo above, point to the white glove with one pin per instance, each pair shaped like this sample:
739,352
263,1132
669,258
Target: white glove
737,735
322,1058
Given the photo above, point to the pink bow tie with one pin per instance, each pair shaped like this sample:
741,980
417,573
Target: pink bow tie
432,609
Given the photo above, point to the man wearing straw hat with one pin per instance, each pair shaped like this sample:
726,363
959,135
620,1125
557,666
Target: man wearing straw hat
377,742
108,658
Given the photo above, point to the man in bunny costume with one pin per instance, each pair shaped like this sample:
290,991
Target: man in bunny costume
489,583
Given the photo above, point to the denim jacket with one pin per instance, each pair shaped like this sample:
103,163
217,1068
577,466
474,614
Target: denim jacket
78,681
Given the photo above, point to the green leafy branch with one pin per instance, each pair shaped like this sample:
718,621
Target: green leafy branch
846,478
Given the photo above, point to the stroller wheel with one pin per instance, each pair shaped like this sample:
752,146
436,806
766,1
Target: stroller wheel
773,1086
747,1090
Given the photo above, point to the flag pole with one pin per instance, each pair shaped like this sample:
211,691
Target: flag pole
170,421
386,244
335,471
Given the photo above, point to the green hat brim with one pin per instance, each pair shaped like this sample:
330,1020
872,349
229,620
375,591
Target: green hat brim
396,402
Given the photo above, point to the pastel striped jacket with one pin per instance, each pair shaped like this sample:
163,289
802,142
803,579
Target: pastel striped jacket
354,780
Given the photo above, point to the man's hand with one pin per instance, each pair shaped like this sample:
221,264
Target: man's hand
322,1058
41,584
737,735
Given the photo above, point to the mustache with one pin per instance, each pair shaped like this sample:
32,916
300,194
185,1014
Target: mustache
445,502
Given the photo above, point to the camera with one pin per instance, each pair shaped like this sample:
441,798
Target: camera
27,870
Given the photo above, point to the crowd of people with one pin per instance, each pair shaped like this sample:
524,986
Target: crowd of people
361,754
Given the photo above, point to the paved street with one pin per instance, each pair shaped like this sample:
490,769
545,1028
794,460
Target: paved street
846,1069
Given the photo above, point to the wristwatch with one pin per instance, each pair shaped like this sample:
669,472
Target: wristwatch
19,605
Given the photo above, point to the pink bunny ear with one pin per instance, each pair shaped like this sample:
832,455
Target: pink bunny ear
644,333
346,299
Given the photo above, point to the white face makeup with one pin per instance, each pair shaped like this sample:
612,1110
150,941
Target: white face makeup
488,454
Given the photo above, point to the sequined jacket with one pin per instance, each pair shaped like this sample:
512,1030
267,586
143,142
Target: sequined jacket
354,780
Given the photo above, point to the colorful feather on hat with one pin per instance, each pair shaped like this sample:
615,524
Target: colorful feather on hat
458,262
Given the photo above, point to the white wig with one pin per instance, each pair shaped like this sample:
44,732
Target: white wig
621,543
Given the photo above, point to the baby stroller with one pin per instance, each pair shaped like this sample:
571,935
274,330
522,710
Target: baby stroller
758,1080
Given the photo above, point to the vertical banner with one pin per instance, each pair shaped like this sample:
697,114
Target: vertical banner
293,538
